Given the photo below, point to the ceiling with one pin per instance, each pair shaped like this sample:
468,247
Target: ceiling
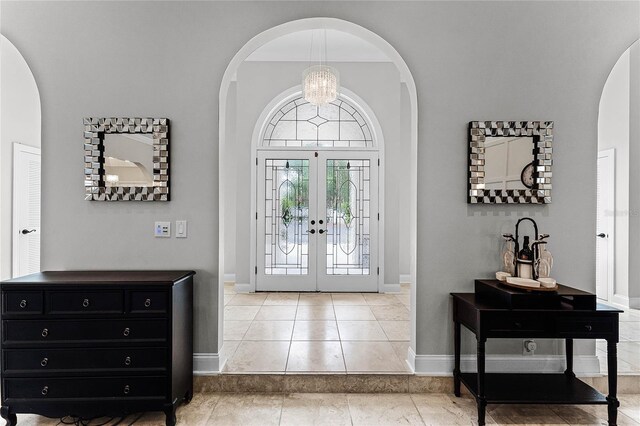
341,47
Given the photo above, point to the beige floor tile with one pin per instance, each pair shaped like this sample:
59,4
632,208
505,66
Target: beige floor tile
269,330
348,299
315,312
229,288
376,299
227,298
315,299
235,330
438,409
248,299
247,410
315,357
315,330
198,411
240,313
630,406
524,414
281,299
404,299
360,313
261,356
324,409
361,330
397,312
276,313
396,330
401,349
228,349
33,420
370,357
383,409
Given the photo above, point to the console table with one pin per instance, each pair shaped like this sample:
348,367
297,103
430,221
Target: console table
97,343
565,315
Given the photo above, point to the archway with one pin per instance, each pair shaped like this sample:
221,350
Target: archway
406,79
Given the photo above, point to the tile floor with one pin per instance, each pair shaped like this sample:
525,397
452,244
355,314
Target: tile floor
316,332
366,409
628,347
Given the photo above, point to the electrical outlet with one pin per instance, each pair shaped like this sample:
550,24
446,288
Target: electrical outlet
529,347
162,230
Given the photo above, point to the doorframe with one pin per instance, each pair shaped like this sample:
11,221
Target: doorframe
611,226
230,75
258,131
18,148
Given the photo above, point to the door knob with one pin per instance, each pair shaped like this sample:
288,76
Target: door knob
601,235
312,231
321,231
27,231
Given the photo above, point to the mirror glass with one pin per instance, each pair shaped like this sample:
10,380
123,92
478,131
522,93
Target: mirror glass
509,163
128,159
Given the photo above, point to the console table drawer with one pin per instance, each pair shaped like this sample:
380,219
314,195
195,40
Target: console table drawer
91,330
39,361
149,301
584,326
516,324
22,302
96,387
68,302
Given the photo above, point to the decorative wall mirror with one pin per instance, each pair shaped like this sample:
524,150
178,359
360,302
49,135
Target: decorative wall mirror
510,162
126,159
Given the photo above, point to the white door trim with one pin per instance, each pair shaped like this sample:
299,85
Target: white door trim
18,149
609,154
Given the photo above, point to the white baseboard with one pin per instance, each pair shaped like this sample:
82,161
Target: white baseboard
205,364
634,302
229,278
390,288
405,279
442,365
244,288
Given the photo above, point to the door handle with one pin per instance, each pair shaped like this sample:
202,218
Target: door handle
322,231
27,231
312,231
601,235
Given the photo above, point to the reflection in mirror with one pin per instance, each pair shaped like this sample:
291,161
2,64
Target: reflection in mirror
128,159
509,163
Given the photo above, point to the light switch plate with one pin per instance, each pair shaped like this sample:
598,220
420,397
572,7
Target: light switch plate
181,229
162,230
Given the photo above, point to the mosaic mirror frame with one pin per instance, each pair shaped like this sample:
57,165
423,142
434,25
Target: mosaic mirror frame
94,170
542,134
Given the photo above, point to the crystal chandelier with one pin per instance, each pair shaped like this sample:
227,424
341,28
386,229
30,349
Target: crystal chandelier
320,83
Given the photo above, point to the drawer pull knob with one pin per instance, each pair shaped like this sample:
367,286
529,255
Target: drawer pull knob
126,332
127,361
588,327
45,332
147,303
85,303
44,362
23,303
45,391
127,389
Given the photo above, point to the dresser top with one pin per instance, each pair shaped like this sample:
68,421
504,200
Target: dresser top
101,277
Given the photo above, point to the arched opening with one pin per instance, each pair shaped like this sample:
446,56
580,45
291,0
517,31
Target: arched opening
406,91
20,169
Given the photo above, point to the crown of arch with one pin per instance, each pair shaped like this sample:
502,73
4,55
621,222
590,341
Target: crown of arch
298,123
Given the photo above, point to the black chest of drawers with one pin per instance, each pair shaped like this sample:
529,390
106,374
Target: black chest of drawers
97,343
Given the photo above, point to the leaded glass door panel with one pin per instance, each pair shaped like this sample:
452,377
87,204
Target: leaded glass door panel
286,258
317,221
348,200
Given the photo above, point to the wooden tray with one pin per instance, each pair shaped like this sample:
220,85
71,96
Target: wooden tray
536,289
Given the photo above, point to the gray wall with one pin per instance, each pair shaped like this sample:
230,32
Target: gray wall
470,61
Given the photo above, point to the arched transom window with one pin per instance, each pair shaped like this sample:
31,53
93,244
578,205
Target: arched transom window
301,124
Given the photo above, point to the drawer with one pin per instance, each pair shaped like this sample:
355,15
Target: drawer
517,324
585,326
88,387
81,302
91,330
40,361
149,301
22,302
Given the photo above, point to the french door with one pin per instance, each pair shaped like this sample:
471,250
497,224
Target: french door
317,220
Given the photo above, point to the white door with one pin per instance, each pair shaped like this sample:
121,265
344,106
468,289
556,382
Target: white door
26,210
605,224
317,221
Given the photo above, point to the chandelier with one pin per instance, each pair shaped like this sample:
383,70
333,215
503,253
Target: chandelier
320,83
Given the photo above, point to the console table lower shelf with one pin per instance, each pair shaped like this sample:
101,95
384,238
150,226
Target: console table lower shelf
516,388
